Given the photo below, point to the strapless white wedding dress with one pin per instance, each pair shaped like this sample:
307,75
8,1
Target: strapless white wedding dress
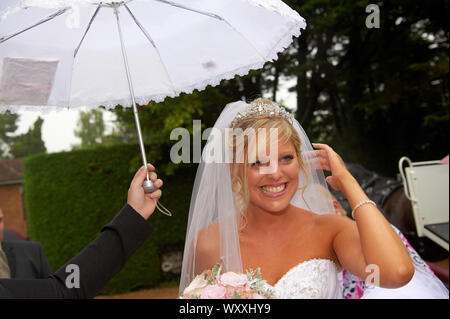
312,279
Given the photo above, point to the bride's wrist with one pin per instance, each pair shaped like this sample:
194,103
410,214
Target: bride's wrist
348,184
346,178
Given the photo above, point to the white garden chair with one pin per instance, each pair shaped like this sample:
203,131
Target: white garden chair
426,185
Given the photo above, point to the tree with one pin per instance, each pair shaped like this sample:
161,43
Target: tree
374,94
29,143
90,129
7,127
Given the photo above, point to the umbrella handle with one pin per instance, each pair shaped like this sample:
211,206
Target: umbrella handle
148,184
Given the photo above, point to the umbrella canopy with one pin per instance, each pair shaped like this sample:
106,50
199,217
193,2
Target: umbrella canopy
70,54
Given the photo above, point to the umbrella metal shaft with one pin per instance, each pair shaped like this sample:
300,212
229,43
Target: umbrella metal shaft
148,185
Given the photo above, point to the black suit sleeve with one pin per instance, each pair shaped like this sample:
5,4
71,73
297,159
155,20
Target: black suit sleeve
98,262
44,269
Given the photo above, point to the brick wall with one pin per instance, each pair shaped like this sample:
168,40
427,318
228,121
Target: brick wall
11,204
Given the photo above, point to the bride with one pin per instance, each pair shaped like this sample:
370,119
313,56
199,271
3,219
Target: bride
252,210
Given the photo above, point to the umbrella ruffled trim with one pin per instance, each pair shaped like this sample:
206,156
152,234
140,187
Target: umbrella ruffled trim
285,41
280,46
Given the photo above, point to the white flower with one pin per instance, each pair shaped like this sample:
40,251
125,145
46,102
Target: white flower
195,287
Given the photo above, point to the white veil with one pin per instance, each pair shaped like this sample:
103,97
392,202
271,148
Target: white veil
212,196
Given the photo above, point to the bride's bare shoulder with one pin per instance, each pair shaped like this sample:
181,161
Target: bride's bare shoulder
324,220
208,239
333,222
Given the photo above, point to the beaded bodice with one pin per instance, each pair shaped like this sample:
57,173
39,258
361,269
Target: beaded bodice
312,279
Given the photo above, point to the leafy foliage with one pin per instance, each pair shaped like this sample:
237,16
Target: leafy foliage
374,94
30,142
19,145
8,126
90,129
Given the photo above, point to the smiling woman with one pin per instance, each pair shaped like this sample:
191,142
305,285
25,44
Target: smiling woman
229,199
274,212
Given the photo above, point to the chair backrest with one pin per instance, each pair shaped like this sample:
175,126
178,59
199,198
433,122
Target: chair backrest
428,190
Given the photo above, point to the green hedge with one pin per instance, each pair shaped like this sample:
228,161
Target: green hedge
70,196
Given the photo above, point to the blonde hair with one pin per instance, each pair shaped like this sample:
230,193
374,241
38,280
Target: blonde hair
286,133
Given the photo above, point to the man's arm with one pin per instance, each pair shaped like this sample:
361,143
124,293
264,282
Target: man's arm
102,258
98,262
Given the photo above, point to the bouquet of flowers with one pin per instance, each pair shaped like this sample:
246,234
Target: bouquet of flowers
211,284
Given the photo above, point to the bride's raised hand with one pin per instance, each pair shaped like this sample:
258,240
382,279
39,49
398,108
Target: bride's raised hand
330,161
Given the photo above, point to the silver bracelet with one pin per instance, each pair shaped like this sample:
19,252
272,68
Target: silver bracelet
362,203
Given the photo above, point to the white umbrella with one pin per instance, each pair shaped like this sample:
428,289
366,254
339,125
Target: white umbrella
86,53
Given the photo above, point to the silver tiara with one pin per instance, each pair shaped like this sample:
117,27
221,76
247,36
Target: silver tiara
258,108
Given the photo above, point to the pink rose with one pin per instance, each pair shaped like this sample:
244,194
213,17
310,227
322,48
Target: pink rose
234,280
214,292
